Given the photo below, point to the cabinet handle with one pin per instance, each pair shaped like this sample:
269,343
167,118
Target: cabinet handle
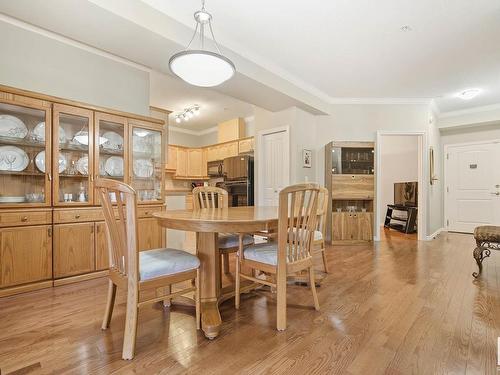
24,218
50,176
77,216
49,231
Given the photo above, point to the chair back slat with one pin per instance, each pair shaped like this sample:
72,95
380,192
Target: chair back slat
209,197
297,220
322,208
121,228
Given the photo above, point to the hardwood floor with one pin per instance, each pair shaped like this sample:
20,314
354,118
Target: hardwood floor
398,307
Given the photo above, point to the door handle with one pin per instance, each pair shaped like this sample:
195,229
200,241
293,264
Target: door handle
496,193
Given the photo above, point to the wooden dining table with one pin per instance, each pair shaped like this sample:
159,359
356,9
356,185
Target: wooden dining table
207,223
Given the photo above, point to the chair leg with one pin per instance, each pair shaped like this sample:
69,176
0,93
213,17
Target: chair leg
167,302
239,256
130,324
226,263
109,305
312,282
197,299
281,301
323,254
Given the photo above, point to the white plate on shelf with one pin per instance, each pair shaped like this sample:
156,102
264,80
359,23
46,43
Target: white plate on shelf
143,168
40,162
114,141
114,166
82,165
39,131
13,158
12,199
11,126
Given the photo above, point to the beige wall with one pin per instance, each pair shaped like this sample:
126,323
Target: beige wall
38,63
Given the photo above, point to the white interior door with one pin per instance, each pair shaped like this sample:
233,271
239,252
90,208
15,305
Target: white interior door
472,186
275,166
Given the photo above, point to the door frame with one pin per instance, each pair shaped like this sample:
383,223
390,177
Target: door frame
260,154
423,174
446,147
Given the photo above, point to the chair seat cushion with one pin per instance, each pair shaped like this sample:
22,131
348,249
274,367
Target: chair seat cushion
233,240
163,262
264,253
487,233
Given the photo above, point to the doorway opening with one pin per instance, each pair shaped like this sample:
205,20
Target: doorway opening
400,188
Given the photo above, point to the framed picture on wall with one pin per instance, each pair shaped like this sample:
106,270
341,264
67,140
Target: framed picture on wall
307,158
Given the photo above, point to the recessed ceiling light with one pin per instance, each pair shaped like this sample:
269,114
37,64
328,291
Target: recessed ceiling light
406,28
469,94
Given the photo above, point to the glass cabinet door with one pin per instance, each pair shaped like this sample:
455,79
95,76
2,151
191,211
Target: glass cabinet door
111,154
73,154
146,175
24,155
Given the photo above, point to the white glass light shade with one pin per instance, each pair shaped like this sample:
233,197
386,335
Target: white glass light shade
201,68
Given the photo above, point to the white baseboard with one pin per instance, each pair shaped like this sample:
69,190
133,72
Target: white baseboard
435,234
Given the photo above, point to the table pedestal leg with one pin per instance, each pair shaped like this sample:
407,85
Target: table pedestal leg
208,252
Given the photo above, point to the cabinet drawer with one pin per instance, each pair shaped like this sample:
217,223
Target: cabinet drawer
78,215
143,212
14,219
353,187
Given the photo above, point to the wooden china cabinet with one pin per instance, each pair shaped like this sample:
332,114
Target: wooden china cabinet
52,150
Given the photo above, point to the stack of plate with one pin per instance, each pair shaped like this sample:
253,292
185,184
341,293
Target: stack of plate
12,199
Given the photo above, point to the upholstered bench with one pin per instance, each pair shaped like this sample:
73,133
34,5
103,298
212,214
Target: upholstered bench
487,238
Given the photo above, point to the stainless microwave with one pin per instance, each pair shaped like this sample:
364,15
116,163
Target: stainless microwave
215,168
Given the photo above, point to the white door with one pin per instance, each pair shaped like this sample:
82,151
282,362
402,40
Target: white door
275,166
473,186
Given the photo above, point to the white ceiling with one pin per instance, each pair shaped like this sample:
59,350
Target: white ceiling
356,49
306,53
170,93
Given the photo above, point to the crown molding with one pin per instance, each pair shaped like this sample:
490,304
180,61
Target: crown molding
71,42
192,132
461,112
381,101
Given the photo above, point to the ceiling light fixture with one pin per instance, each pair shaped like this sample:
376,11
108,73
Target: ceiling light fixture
469,94
200,67
188,113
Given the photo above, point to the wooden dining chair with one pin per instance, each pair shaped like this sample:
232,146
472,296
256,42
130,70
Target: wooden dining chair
134,271
214,197
292,252
320,232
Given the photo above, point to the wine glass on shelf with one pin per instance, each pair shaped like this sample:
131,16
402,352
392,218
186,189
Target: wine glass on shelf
11,159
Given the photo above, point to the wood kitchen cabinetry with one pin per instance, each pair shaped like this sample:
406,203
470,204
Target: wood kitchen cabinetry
51,225
25,255
231,130
350,179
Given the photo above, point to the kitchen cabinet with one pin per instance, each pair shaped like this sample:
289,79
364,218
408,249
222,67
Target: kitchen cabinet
231,130
73,249
182,162
25,255
195,162
245,145
352,226
171,165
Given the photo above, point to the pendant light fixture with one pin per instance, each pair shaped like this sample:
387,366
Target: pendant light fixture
201,67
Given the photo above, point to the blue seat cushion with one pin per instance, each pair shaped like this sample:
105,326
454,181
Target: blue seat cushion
264,253
233,240
164,262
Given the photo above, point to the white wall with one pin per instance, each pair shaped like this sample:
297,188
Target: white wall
38,63
470,134
399,161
